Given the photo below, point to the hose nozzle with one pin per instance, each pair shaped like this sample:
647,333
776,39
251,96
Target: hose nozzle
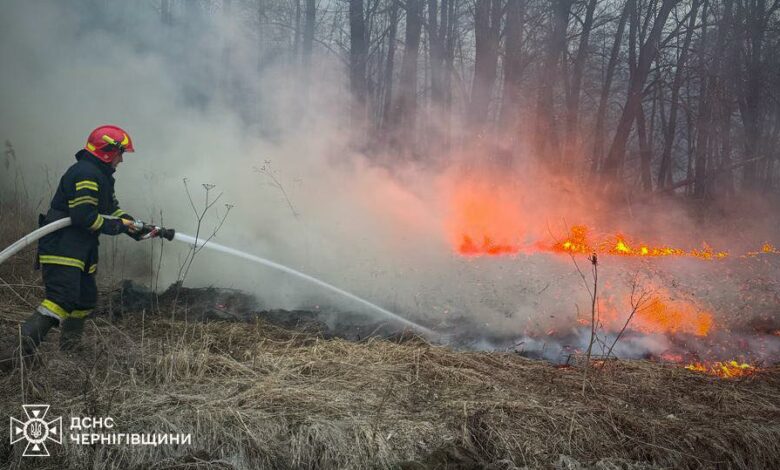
146,231
166,233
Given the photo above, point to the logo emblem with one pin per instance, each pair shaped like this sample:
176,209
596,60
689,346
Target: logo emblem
36,430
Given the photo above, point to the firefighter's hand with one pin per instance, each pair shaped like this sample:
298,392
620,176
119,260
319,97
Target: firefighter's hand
130,226
146,233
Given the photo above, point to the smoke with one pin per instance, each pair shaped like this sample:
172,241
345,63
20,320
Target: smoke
204,102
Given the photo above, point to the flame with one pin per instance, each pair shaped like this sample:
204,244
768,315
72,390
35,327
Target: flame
766,249
673,317
658,315
671,357
729,369
485,220
621,245
487,247
488,219
577,242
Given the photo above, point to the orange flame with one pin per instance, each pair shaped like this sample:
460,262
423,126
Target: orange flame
485,220
658,315
620,245
487,247
488,219
726,370
576,243
673,317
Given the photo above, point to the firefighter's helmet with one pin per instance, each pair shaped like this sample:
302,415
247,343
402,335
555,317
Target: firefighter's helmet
108,142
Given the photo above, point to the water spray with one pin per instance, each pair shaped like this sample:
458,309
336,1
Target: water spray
145,231
280,267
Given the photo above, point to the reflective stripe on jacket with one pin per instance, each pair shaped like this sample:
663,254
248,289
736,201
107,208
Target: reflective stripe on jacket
85,191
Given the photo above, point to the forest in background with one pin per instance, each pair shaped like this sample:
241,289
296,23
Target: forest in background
658,95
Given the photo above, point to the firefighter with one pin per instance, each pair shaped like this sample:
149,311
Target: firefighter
68,258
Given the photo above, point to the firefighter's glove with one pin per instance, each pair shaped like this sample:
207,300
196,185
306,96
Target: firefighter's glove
148,232
139,230
137,236
132,227
114,227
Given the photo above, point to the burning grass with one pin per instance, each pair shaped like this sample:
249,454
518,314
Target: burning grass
728,370
494,217
258,396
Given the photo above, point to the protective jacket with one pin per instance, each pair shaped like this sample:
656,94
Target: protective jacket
85,191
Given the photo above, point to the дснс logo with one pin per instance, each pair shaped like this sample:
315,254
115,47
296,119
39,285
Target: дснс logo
36,430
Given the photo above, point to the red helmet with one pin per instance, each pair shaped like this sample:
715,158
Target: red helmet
108,142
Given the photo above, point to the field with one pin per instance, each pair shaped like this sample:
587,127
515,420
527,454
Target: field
274,393
254,395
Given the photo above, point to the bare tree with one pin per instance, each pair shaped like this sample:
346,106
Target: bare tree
405,109
665,168
573,96
598,139
389,67
647,52
358,55
308,35
515,64
546,128
487,28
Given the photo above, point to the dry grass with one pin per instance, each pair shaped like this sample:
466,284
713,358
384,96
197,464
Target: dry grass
256,396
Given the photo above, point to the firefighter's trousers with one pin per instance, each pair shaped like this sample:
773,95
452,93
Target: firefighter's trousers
71,294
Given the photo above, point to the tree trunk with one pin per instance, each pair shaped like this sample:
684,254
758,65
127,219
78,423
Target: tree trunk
725,103
450,25
598,133
166,15
617,151
308,35
704,115
573,97
358,54
436,39
645,153
298,31
665,168
262,23
546,129
753,12
513,69
389,65
405,109
487,26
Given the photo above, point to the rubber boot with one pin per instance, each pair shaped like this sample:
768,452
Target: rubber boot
34,329
70,334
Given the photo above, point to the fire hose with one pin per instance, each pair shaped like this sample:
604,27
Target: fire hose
143,230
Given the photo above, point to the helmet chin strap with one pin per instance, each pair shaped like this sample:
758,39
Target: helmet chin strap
116,160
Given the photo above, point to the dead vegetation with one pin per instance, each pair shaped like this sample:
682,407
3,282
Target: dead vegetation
257,396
